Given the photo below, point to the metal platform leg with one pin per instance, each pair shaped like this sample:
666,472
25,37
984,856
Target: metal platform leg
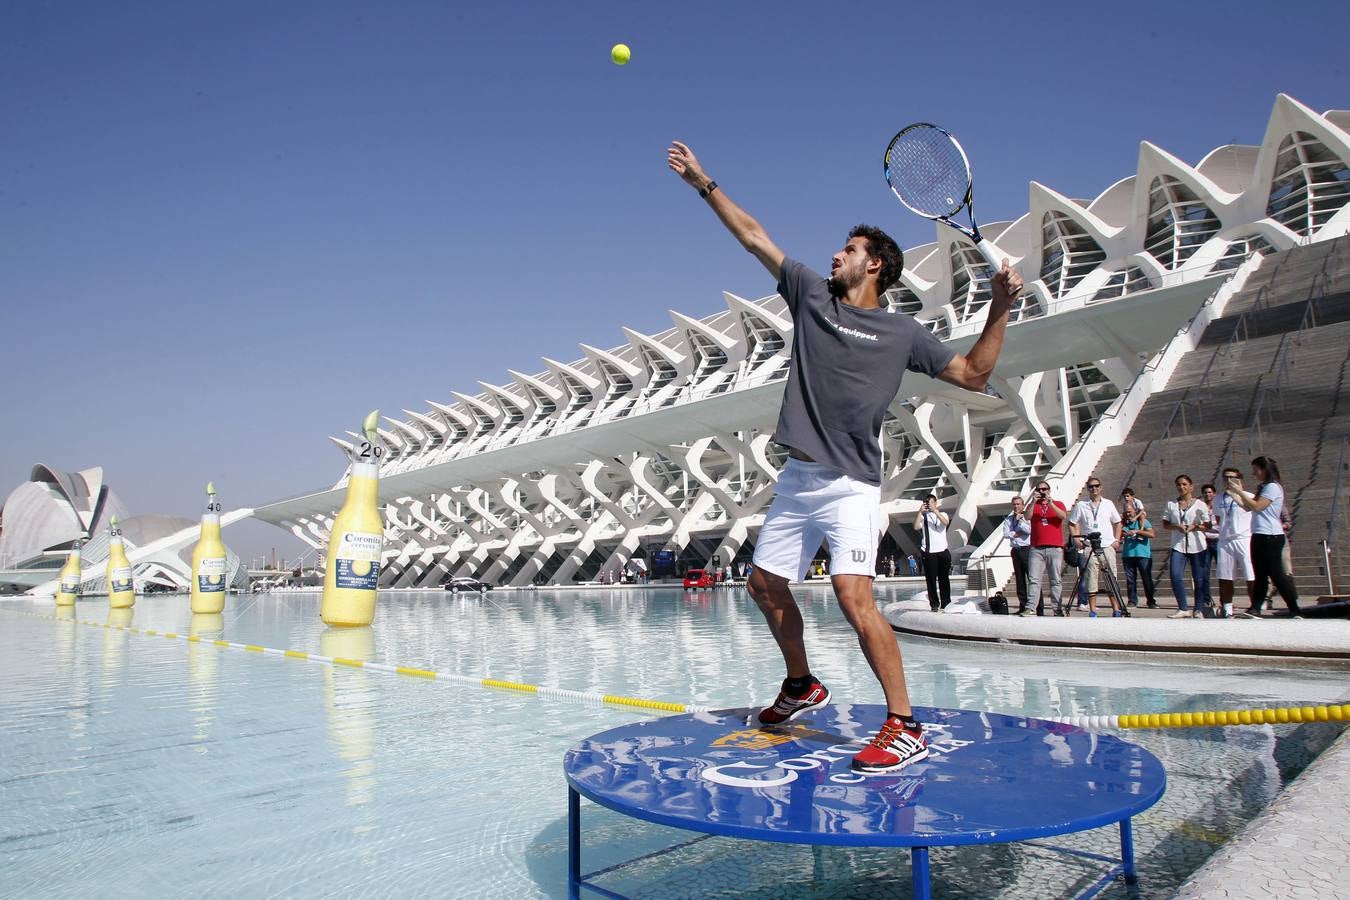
573,843
918,863
1127,850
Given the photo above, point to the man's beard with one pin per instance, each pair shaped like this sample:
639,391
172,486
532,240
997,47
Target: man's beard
840,282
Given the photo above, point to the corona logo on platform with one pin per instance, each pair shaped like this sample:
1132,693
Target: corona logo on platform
778,772
764,738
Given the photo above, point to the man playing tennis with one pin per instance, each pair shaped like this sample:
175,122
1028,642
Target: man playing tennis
849,354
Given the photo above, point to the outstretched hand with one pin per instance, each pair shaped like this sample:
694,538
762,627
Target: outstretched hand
1007,284
684,163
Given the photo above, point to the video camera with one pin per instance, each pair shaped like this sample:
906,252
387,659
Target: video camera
1094,538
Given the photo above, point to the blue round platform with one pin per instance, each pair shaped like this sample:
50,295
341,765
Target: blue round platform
989,778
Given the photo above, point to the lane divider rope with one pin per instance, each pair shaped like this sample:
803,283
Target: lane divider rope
1209,718
587,697
1279,716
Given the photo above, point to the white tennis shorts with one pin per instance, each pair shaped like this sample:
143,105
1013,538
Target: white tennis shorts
814,502
1235,556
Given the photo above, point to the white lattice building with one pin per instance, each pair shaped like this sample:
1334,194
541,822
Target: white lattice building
663,441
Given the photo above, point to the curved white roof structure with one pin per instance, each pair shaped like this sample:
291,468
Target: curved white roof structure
42,517
664,439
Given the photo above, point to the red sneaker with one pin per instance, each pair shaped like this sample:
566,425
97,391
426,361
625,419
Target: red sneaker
786,708
893,748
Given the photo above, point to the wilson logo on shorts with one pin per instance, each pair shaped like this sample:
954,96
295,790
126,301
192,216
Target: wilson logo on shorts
860,556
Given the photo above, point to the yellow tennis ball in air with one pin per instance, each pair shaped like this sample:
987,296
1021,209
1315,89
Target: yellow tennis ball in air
620,54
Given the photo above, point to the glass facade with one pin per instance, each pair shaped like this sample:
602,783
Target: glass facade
1178,222
1068,253
1310,184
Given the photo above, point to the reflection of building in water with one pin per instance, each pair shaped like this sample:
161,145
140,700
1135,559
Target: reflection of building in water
204,672
662,444
350,696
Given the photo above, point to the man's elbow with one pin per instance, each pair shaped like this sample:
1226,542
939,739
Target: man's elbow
975,378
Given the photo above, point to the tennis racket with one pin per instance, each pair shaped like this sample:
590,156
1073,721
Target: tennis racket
929,173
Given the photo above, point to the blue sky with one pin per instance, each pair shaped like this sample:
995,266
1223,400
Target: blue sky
229,230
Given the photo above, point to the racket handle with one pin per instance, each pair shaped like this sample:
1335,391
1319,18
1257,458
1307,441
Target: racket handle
991,254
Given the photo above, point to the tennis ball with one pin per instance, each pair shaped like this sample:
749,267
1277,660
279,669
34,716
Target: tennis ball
620,54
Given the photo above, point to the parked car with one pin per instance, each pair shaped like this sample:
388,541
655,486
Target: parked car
698,578
458,584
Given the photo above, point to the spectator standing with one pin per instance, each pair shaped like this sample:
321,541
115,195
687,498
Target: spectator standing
913,565
1187,519
1234,556
1209,495
1268,538
931,524
1047,549
1096,515
1129,502
1137,554
1017,529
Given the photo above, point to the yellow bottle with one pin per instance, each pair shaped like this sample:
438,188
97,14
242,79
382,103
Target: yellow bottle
121,587
69,590
209,560
356,541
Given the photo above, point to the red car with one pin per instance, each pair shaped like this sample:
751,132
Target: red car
697,578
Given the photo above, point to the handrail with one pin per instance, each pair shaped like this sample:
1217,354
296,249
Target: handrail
1284,353
1336,490
1241,334
1330,540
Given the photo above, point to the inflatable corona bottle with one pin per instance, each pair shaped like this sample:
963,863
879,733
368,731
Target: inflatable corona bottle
356,541
121,587
209,560
69,590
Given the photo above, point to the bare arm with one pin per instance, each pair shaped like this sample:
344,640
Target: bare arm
972,371
1249,503
740,223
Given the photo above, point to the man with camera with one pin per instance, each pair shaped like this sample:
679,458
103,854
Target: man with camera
1047,549
1017,529
931,523
1092,520
1233,553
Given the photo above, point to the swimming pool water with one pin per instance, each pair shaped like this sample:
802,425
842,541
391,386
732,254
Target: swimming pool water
135,766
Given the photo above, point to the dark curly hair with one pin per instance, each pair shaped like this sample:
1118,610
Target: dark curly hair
882,246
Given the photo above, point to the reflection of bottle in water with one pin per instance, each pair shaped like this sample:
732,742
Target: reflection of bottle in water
356,540
121,588
68,590
115,641
208,560
349,700
203,670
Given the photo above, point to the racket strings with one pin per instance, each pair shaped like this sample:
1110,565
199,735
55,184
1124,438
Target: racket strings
928,172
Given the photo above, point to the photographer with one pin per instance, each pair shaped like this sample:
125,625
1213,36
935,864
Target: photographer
1047,549
931,523
1235,538
1268,540
1137,534
1017,529
1097,516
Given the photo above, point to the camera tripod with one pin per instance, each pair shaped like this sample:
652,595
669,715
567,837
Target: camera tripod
1097,557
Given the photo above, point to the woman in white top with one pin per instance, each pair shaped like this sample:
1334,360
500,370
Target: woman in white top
1267,535
1186,520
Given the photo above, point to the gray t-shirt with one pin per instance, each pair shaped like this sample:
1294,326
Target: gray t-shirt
846,369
